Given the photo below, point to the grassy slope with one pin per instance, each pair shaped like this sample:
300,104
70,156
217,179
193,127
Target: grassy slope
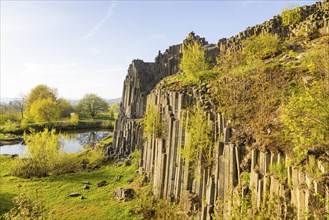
54,190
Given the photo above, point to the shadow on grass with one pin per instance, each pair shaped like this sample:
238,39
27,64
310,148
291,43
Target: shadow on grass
6,202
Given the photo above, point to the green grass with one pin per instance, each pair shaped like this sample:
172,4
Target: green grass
54,191
8,137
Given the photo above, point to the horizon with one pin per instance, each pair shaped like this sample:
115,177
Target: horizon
84,47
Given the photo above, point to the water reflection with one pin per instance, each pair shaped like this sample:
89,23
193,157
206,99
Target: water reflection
71,142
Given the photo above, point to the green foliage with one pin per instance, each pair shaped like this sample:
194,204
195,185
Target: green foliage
12,116
114,110
146,203
27,209
66,163
99,202
312,168
65,108
194,63
279,170
153,124
244,206
107,124
92,104
95,156
23,124
10,125
44,110
306,121
199,140
40,92
42,153
291,16
74,119
262,46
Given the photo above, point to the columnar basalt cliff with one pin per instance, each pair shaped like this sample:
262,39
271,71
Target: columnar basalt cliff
170,175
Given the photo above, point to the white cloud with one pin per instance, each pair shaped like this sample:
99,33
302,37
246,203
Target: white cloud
108,14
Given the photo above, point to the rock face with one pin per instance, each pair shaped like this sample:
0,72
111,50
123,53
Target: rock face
161,160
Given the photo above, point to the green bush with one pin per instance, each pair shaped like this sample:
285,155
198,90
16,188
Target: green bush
42,153
107,124
10,125
290,17
194,63
94,156
199,141
74,119
279,170
306,121
67,163
153,124
23,124
262,46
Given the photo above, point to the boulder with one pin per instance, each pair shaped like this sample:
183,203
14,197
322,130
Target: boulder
102,183
124,194
74,194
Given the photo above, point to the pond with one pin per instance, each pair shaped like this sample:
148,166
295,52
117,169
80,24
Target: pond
72,142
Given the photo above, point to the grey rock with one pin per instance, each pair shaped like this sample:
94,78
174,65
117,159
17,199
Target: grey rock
86,186
130,180
102,183
124,194
74,194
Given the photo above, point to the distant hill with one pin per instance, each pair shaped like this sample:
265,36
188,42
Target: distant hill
113,101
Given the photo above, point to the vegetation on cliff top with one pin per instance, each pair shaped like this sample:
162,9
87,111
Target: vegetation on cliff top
274,91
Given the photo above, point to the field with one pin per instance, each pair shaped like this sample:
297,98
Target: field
53,191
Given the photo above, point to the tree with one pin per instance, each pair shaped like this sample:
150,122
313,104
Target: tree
42,104
194,63
45,110
40,92
20,103
65,108
92,104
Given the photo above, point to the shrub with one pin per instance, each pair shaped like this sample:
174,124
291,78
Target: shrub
306,121
67,163
194,63
23,124
290,17
262,46
74,119
153,124
94,156
279,171
42,153
10,125
199,142
107,124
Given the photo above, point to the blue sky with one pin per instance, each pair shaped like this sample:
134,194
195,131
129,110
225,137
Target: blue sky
81,47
